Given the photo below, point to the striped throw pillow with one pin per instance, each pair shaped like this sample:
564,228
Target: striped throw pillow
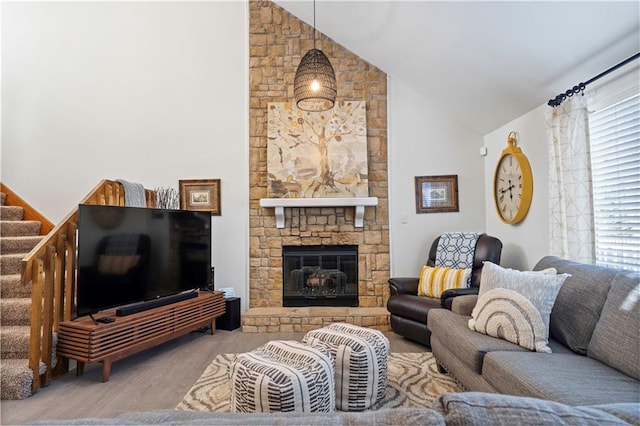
435,280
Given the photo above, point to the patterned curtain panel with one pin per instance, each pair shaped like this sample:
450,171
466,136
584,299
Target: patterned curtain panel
571,225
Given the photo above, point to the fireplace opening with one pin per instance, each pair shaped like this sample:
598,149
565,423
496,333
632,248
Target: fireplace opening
320,276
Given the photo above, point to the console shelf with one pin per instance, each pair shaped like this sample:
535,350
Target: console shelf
85,341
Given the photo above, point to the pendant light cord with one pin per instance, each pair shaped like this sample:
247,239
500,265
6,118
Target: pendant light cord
314,24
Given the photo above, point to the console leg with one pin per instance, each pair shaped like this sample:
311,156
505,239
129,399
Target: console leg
106,370
79,368
213,326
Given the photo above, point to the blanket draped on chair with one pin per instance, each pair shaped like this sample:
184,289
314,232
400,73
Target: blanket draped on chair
134,195
457,249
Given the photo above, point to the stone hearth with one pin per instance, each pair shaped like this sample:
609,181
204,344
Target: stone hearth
287,320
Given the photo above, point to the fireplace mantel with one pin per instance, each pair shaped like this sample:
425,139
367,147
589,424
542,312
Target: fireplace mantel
358,202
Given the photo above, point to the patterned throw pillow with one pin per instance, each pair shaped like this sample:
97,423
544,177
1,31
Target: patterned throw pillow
527,311
510,316
435,280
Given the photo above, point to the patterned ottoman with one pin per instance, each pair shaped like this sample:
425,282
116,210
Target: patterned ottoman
282,376
361,363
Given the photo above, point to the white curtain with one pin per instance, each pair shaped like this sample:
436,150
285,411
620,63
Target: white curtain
571,225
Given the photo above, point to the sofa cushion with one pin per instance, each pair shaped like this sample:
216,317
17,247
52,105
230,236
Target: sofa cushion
434,280
470,346
386,416
539,288
616,340
477,408
627,411
568,378
579,301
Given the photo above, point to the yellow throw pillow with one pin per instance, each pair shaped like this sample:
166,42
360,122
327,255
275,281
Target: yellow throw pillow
435,280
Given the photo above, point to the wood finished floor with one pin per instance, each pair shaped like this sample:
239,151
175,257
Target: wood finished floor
155,379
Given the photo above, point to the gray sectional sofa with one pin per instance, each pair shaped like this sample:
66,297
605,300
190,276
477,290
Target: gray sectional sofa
466,408
594,334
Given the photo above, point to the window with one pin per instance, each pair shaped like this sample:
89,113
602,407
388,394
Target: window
615,164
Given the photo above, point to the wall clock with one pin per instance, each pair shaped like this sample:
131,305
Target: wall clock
512,183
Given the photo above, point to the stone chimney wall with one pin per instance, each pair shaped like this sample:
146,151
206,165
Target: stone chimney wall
277,42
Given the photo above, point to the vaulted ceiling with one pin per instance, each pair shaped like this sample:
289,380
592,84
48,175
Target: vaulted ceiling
483,63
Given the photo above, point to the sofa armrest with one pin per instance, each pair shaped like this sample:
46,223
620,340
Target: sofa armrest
448,295
403,286
463,305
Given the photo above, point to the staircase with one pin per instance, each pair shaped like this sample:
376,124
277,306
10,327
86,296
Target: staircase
17,238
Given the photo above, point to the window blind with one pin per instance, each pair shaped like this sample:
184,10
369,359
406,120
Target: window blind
615,164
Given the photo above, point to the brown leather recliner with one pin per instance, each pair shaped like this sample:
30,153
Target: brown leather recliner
409,311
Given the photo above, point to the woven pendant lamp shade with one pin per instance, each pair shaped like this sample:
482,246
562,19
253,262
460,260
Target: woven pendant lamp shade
318,96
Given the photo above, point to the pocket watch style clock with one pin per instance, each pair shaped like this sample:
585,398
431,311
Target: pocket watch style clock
512,183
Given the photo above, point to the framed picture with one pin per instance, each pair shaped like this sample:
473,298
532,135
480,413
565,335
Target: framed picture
437,194
200,195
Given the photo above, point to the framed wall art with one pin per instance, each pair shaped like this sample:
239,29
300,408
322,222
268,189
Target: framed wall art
436,194
200,195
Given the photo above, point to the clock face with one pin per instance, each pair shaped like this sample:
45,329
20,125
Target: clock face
508,187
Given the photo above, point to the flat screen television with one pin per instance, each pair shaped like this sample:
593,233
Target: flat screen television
128,255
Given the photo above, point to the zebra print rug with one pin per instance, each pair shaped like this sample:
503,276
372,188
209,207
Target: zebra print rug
412,381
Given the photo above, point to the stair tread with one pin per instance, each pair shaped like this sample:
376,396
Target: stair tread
7,300
20,228
21,221
15,341
11,213
15,328
22,237
14,363
10,228
19,244
10,277
19,363
11,287
16,378
7,255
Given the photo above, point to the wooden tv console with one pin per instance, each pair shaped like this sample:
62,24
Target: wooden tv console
86,341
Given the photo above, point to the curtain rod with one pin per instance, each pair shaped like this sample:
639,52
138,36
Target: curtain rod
579,88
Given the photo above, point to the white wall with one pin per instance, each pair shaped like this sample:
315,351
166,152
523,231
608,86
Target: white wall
523,244
425,142
150,92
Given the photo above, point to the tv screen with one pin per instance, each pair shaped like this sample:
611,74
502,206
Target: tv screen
129,254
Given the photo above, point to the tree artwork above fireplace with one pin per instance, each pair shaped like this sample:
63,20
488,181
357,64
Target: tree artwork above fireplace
317,154
320,276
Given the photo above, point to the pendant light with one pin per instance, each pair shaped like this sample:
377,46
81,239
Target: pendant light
314,86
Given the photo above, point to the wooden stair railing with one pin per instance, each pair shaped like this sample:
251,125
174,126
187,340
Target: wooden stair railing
50,270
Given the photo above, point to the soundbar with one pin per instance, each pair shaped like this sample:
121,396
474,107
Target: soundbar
134,308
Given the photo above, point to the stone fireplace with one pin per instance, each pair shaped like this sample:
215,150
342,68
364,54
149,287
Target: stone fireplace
277,42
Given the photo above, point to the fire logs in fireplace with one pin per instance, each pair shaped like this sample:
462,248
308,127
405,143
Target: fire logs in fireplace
320,275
